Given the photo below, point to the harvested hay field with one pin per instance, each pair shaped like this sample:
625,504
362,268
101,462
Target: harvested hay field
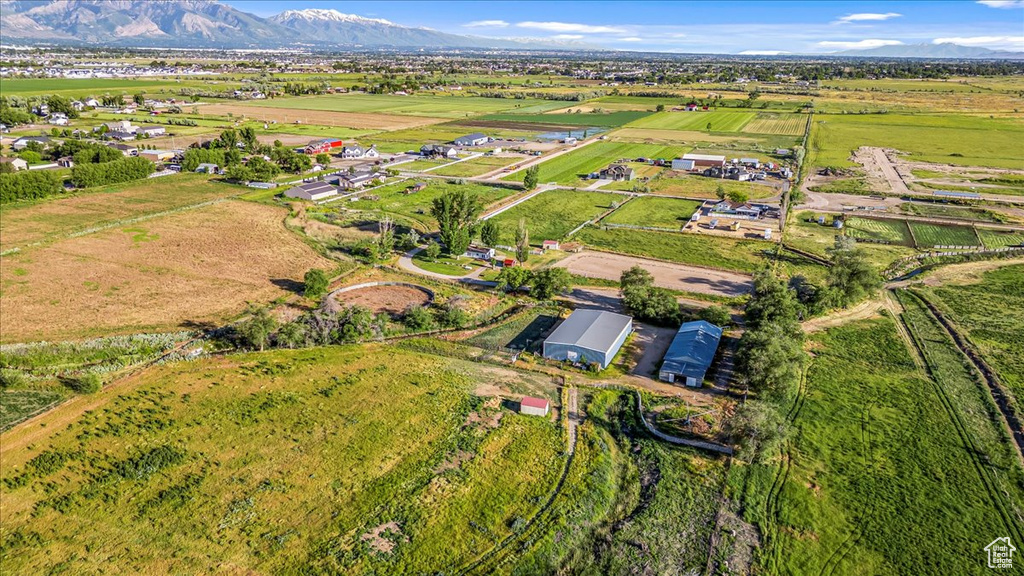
609,266
321,117
194,267
392,299
786,124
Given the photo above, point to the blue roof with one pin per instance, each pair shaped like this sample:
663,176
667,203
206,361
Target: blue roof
692,349
951,194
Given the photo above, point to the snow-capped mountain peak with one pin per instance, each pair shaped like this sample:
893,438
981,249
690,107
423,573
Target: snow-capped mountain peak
330,15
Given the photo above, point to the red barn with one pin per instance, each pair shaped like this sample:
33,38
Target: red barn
324,145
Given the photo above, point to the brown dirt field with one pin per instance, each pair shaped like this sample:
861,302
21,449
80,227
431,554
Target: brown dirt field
390,299
194,267
666,274
511,125
321,117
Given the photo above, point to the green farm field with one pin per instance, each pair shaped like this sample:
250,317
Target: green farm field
697,249
892,231
552,214
1000,238
568,168
945,139
608,120
928,235
881,473
431,106
477,166
416,206
786,124
653,211
804,233
720,121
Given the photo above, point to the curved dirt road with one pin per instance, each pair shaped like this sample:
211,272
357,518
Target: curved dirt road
609,266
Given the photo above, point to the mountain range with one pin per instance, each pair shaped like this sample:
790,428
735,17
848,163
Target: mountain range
210,24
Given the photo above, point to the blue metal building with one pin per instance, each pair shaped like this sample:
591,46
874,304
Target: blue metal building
591,335
690,354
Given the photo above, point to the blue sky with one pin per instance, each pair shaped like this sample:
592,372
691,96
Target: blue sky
713,27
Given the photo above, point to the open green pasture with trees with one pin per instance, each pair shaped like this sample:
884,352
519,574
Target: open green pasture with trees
882,470
804,233
686,248
720,121
416,206
553,214
945,139
654,212
570,167
990,309
434,106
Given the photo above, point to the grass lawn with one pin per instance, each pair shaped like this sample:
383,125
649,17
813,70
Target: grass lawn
476,166
654,212
434,106
416,206
520,333
569,168
698,249
721,121
990,308
946,139
281,460
929,235
444,264
44,220
770,123
552,214
877,478
892,231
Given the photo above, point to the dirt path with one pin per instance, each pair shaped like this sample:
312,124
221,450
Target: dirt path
862,311
610,266
540,159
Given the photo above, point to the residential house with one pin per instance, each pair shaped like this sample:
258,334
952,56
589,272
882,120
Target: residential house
617,172
126,149
58,119
480,252
588,335
151,131
78,105
738,173
690,354
120,126
356,151
91,102
322,145
206,168
22,143
737,209
550,245
534,406
312,191
18,163
438,150
121,135
357,180
474,139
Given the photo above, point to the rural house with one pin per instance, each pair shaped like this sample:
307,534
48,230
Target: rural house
357,151
434,150
617,172
58,119
312,191
474,139
18,163
206,168
121,135
151,131
22,143
736,209
480,252
66,162
588,335
125,149
690,354
358,180
705,160
550,245
322,145
534,406
120,126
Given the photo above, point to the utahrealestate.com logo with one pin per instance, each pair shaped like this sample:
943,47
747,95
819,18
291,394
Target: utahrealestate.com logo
1000,553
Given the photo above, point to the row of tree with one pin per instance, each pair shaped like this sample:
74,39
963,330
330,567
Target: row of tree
114,172
28,185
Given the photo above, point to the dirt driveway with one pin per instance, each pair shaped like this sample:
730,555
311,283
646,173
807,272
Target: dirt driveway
666,274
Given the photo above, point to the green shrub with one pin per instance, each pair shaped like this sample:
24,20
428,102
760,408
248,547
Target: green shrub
89,383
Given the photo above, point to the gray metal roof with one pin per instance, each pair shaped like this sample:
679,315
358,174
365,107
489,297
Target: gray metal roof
314,187
473,136
590,329
692,349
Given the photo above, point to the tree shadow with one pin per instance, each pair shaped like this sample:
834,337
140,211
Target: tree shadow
289,285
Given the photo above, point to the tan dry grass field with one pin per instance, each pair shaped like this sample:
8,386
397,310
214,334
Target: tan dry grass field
197,266
358,120
656,135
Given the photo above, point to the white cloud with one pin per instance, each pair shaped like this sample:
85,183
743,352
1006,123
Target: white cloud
486,24
763,52
629,39
570,27
1011,42
568,36
868,17
1002,3
854,45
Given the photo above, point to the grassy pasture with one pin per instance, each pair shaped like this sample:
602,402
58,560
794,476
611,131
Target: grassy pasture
552,214
416,206
18,404
187,268
567,168
609,120
946,139
721,121
431,106
876,476
893,231
701,250
928,235
899,85
804,233
1000,238
321,443
652,211
53,218
477,166
785,124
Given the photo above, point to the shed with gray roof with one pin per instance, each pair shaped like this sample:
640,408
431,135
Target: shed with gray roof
588,335
690,354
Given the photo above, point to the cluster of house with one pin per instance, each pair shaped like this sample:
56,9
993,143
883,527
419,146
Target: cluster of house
741,169
334,184
125,131
591,336
452,150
